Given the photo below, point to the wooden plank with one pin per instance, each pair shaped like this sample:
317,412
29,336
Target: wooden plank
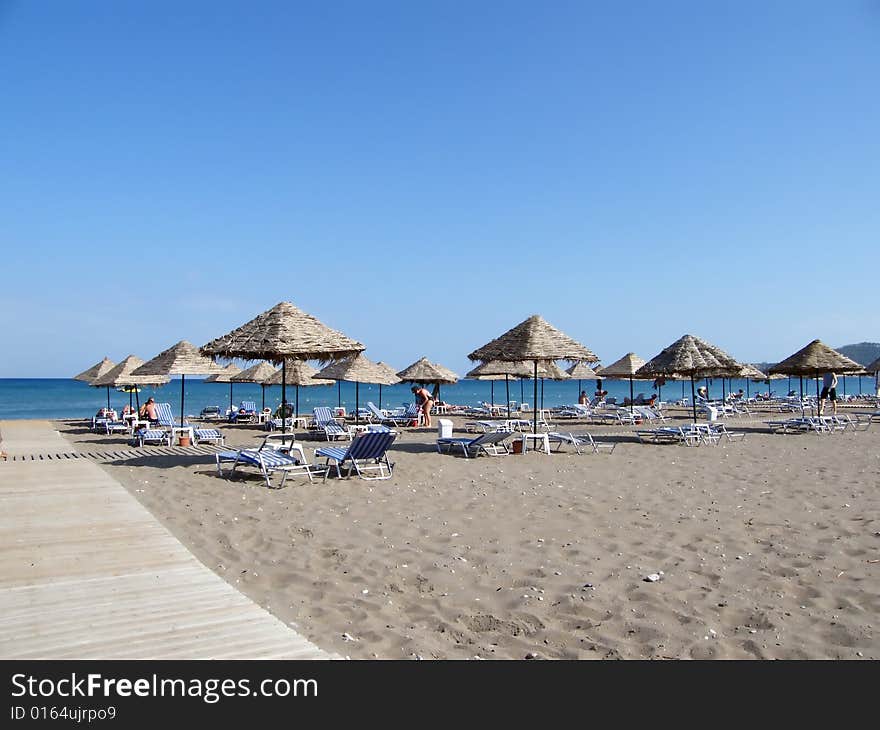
90,573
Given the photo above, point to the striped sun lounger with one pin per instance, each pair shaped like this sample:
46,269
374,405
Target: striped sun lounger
368,452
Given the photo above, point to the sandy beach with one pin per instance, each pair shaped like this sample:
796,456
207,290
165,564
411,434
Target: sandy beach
766,548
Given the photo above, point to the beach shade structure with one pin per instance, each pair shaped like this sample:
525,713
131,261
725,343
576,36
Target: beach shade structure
95,372
298,373
280,334
871,369
391,372
537,341
225,377
815,360
122,375
180,359
693,358
581,371
550,371
750,372
497,370
357,369
260,373
625,369
425,372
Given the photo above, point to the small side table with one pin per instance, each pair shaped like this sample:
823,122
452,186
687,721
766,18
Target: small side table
536,438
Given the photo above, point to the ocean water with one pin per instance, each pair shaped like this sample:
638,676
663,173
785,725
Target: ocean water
63,398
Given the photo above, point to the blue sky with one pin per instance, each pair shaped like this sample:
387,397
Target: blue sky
423,176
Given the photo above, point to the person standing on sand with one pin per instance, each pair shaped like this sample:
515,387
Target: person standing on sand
425,402
829,390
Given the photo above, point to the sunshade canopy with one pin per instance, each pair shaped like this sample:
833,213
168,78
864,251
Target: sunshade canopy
425,371
357,369
816,358
96,371
535,339
226,376
123,374
183,358
581,371
284,331
299,373
692,357
262,372
626,367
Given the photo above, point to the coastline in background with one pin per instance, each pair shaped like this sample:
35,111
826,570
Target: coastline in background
52,398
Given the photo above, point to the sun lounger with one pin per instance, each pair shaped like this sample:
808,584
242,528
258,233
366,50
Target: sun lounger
491,443
269,458
368,452
153,436
328,425
208,434
581,442
166,421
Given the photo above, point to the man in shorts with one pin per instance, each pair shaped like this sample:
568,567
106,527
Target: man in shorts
829,390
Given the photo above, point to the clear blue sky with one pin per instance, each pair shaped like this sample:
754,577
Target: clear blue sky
424,175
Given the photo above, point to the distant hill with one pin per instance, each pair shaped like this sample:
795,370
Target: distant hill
863,353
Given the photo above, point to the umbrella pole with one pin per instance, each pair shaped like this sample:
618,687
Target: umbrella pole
632,406
339,394
818,402
357,402
542,394
283,399
296,409
230,397
803,407
380,396
129,405
137,399
723,393
693,398
579,391
129,400
522,392
507,393
182,381
492,391
535,407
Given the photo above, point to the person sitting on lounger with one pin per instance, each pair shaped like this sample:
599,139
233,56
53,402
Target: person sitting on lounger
148,412
583,400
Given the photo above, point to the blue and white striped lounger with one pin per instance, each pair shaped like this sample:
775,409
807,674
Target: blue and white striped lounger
368,452
153,436
267,460
208,434
326,423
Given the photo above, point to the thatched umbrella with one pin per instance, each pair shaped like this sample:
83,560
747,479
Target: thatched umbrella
225,377
537,341
581,371
181,359
871,369
95,372
425,372
358,369
260,373
750,372
691,357
497,370
814,360
123,374
298,373
623,369
281,333
391,373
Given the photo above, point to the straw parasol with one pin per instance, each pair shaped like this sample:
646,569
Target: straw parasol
581,371
181,359
95,372
625,369
225,377
537,341
496,370
425,372
814,360
123,374
298,373
691,357
358,369
260,373
391,373
750,372
281,333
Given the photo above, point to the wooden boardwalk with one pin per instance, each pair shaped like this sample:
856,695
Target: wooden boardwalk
88,573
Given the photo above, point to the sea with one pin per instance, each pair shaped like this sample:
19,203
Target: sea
58,398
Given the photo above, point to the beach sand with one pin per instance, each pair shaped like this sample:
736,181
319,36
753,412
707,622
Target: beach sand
767,548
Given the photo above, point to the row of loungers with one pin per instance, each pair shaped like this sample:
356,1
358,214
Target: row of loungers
822,424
